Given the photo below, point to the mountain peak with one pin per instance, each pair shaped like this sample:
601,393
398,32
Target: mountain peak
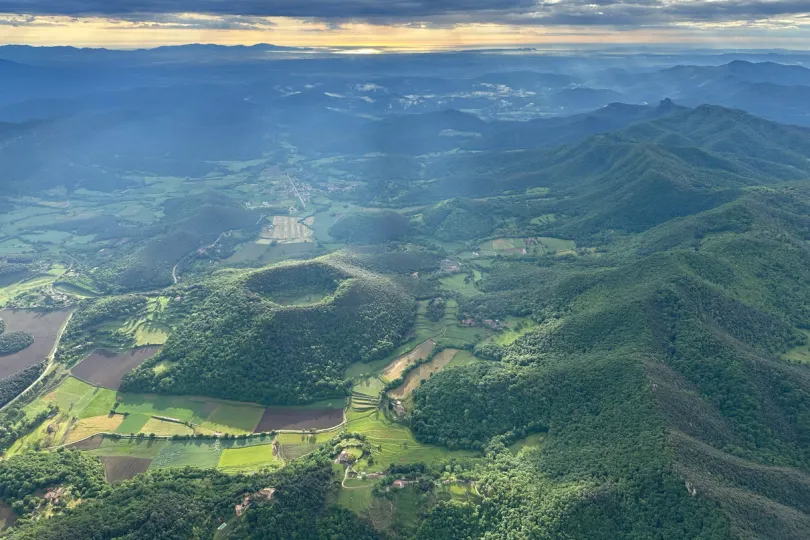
667,104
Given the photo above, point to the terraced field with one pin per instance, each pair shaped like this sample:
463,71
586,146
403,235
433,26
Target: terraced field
393,443
395,369
206,415
415,377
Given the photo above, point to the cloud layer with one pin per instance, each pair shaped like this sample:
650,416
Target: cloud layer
437,12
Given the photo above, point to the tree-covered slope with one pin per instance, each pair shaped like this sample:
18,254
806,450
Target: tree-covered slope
192,503
282,334
631,180
659,379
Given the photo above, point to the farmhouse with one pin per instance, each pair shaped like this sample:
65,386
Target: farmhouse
53,495
399,484
344,458
494,324
398,408
449,265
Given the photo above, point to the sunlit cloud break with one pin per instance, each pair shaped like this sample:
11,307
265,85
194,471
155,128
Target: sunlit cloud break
400,22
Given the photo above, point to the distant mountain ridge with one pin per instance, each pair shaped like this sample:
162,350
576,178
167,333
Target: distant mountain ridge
632,179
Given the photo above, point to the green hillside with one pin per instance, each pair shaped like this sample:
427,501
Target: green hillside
600,340
280,335
659,371
634,179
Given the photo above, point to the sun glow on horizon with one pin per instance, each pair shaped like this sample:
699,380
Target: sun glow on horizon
366,38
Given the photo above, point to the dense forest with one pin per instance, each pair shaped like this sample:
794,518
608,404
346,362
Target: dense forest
11,387
12,342
676,349
240,344
186,503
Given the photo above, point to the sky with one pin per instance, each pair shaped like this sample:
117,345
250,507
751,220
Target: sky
406,24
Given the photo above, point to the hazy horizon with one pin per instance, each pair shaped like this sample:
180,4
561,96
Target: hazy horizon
417,25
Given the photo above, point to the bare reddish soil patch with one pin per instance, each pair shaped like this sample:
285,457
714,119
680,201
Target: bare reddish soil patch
120,468
275,418
44,326
91,443
105,368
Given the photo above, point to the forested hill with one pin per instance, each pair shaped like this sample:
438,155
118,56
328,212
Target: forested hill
660,382
283,334
634,179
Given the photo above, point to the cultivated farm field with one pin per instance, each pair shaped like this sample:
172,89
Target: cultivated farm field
120,468
44,326
296,418
107,368
415,377
393,443
395,369
249,459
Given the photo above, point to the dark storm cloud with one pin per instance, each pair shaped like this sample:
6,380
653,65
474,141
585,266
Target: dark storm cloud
430,12
322,9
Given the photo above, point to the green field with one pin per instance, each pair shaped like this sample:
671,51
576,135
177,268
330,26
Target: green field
462,358
457,491
203,454
532,441
545,219
556,245
456,283
152,327
140,448
800,353
73,396
83,400
370,386
393,443
133,423
356,499
361,369
48,237
249,459
458,336
426,328
233,418
14,245
502,246
516,328
75,290
9,292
